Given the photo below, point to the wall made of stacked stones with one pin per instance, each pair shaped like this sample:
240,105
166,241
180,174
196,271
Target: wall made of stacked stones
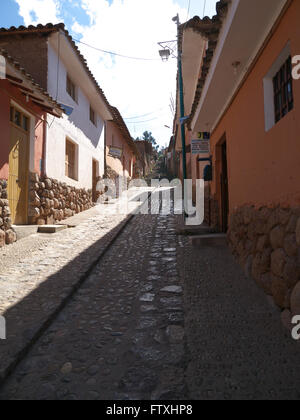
267,242
51,201
7,234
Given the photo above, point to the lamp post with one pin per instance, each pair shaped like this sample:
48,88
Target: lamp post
165,54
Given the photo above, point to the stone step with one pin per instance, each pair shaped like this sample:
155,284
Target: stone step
51,228
24,231
212,240
194,230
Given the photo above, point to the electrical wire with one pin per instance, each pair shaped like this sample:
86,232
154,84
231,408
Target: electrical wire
116,54
141,122
204,8
143,116
189,8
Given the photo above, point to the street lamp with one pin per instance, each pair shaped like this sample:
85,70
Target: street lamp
165,54
169,45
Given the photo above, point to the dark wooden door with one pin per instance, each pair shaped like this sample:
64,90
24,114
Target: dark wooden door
224,189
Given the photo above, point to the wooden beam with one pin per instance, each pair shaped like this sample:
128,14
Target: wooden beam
15,79
21,87
34,98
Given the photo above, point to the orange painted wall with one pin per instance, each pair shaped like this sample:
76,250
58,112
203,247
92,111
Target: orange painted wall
8,92
264,167
115,138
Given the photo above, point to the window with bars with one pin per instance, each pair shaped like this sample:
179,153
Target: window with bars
283,90
71,170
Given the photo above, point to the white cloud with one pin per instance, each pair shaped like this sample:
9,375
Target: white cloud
39,11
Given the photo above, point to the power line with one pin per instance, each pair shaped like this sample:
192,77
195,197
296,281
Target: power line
189,8
204,8
116,54
141,122
143,116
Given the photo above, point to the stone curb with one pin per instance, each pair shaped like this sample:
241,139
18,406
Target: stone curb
8,368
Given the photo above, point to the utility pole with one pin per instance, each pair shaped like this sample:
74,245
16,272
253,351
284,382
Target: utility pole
168,50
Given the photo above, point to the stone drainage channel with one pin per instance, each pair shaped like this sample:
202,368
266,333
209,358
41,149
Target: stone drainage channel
120,334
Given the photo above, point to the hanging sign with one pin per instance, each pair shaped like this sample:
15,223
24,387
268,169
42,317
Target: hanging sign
201,145
115,152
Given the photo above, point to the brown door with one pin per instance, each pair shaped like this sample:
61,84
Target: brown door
95,175
18,167
224,189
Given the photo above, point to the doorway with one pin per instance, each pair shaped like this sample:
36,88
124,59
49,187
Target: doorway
95,178
18,166
224,187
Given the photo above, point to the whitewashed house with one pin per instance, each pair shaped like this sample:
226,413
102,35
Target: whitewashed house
74,145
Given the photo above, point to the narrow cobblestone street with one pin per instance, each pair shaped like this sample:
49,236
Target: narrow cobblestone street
122,335
158,319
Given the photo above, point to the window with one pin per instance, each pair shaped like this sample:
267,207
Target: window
19,119
71,89
71,167
93,118
278,89
283,90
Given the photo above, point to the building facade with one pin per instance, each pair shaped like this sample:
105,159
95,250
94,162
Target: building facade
248,98
24,106
74,145
121,151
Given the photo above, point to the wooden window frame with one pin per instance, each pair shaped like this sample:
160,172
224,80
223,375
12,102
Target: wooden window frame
71,88
71,160
283,90
93,116
24,121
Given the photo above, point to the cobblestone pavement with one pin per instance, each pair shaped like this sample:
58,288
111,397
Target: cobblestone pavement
39,273
122,335
238,346
159,319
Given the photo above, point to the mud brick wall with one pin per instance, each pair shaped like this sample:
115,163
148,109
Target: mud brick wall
7,234
267,242
51,201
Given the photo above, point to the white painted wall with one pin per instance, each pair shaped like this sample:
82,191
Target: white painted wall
78,128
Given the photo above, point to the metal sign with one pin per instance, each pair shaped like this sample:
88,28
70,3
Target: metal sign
115,152
201,145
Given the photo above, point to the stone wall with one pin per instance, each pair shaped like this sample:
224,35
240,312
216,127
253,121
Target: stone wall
7,234
267,243
51,201
212,216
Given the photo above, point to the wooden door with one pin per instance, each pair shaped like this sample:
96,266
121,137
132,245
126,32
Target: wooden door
18,167
224,189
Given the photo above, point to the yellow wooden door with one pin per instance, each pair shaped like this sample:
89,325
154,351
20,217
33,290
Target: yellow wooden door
18,169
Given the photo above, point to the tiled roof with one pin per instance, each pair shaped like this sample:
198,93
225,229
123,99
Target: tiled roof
118,120
29,79
47,30
209,29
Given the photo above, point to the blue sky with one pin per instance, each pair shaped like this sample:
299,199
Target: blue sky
128,27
